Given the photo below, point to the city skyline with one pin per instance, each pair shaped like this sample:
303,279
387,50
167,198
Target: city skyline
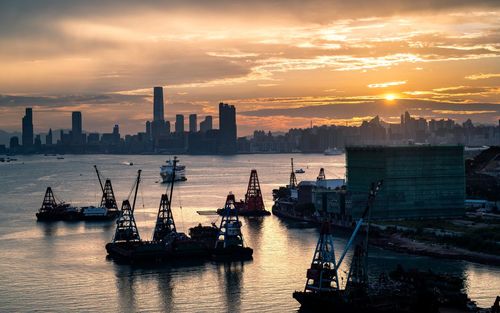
281,65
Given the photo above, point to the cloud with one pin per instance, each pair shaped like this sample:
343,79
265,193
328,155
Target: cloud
482,76
387,84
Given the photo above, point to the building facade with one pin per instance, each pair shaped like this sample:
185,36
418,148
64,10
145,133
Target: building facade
418,181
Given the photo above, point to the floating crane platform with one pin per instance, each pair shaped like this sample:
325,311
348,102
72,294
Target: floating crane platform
254,203
54,210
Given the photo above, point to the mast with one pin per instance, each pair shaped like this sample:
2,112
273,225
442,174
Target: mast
293,179
321,175
230,227
253,197
322,276
126,227
165,223
49,201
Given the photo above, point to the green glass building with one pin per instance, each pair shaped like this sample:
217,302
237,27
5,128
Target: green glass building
419,181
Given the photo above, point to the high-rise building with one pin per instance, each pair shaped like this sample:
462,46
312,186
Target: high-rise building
76,127
227,129
48,138
28,128
179,123
148,130
206,124
116,134
158,105
193,127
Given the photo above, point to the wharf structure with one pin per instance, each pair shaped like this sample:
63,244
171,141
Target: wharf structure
420,181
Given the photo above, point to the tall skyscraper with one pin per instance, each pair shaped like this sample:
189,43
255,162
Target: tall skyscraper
206,124
179,123
148,130
227,129
158,105
48,138
193,127
76,127
28,128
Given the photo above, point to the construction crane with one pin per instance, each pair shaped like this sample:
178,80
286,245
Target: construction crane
108,196
165,223
126,227
293,179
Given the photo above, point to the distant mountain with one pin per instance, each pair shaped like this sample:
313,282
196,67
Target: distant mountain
5,137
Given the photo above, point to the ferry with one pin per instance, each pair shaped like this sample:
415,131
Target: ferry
167,170
333,151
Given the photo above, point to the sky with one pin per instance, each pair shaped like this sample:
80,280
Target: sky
282,63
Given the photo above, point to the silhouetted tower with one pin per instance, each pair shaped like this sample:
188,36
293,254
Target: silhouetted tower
126,228
230,226
253,197
165,223
293,179
322,276
357,279
321,175
28,128
158,104
108,196
49,201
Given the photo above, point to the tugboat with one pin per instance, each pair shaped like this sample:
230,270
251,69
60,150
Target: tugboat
254,203
167,172
108,209
51,210
229,244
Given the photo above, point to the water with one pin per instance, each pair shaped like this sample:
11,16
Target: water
62,267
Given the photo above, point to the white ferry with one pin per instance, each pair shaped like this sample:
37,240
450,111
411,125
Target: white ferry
167,170
333,151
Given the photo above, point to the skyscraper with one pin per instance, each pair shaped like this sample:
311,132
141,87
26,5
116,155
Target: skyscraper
206,124
76,127
48,138
28,128
227,129
193,127
179,123
158,104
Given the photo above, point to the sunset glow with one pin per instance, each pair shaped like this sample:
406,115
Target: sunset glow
257,56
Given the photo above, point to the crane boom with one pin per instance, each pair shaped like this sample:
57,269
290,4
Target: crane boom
99,177
371,197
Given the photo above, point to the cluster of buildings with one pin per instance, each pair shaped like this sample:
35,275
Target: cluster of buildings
159,136
418,181
374,132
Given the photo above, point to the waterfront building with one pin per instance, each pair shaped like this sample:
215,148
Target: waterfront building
418,180
179,123
227,129
28,128
193,127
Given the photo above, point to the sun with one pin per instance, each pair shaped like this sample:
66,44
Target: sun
390,97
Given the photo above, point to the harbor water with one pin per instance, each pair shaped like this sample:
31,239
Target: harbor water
62,267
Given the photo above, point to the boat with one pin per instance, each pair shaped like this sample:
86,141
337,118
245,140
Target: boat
107,210
166,245
53,210
401,291
333,151
300,171
166,172
254,203
229,245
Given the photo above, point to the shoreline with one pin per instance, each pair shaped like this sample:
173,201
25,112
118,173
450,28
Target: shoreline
398,243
